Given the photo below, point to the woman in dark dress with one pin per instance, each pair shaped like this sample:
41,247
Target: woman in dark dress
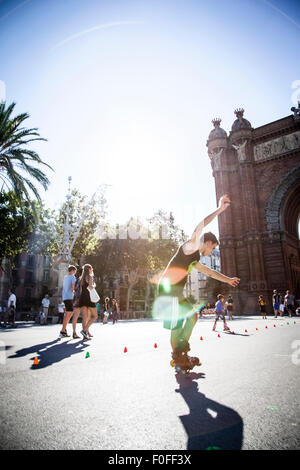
88,308
115,311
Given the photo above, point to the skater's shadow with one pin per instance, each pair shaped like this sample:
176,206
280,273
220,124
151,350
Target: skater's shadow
209,425
50,353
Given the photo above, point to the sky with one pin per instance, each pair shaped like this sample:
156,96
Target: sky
125,91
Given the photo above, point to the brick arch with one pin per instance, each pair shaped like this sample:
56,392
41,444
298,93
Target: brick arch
278,197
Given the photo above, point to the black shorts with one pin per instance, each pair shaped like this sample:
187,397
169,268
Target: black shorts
262,309
68,305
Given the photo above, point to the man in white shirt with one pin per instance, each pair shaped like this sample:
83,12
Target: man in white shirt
45,304
11,306
61,311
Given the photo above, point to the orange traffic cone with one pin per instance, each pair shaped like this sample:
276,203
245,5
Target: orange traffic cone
125,349
36,361
256,329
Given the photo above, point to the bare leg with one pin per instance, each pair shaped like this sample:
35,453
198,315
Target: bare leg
91,318
85,316
67,317
75,318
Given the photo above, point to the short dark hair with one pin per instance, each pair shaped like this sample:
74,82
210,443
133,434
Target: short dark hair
71,268
210,237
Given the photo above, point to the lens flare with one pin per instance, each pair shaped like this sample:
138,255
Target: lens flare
170,308
174,276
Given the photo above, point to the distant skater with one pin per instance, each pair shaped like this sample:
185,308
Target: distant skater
220,313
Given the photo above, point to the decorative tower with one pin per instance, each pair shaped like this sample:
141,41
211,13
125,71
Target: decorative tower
259,240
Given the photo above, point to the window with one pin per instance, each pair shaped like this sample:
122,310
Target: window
30,260
28,293
29,277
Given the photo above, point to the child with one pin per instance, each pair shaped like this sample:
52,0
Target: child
219,310
262,307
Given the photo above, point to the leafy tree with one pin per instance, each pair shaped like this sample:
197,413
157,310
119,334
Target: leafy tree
18,163
137,255
16,225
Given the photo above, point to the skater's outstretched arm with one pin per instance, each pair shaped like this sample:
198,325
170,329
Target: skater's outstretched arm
233,281
194,243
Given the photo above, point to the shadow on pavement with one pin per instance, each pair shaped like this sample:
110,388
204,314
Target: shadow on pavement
209,425
50,353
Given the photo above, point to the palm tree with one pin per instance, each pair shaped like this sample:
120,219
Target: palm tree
14,156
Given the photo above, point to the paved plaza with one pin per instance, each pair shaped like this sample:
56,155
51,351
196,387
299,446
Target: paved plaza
244,396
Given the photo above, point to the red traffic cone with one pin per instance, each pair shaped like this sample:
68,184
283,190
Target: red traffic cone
125,349
246,331
219,335
155,345
36,361
266,326
201,339
274,326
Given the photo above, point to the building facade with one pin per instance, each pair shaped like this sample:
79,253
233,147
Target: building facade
29,278
259,168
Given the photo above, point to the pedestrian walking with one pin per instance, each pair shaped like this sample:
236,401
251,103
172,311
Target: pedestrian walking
88,308
220,312
229,306
107,310
98,311
67,296
115,311
11,307
61,311
262,306
276,302
289,302
3,314
45,307
281,304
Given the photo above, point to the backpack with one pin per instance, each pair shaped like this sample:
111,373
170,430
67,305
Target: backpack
77,293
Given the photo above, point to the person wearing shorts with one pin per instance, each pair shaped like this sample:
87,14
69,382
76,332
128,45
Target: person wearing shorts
276,302
289,303
177,312
67,297
220,312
